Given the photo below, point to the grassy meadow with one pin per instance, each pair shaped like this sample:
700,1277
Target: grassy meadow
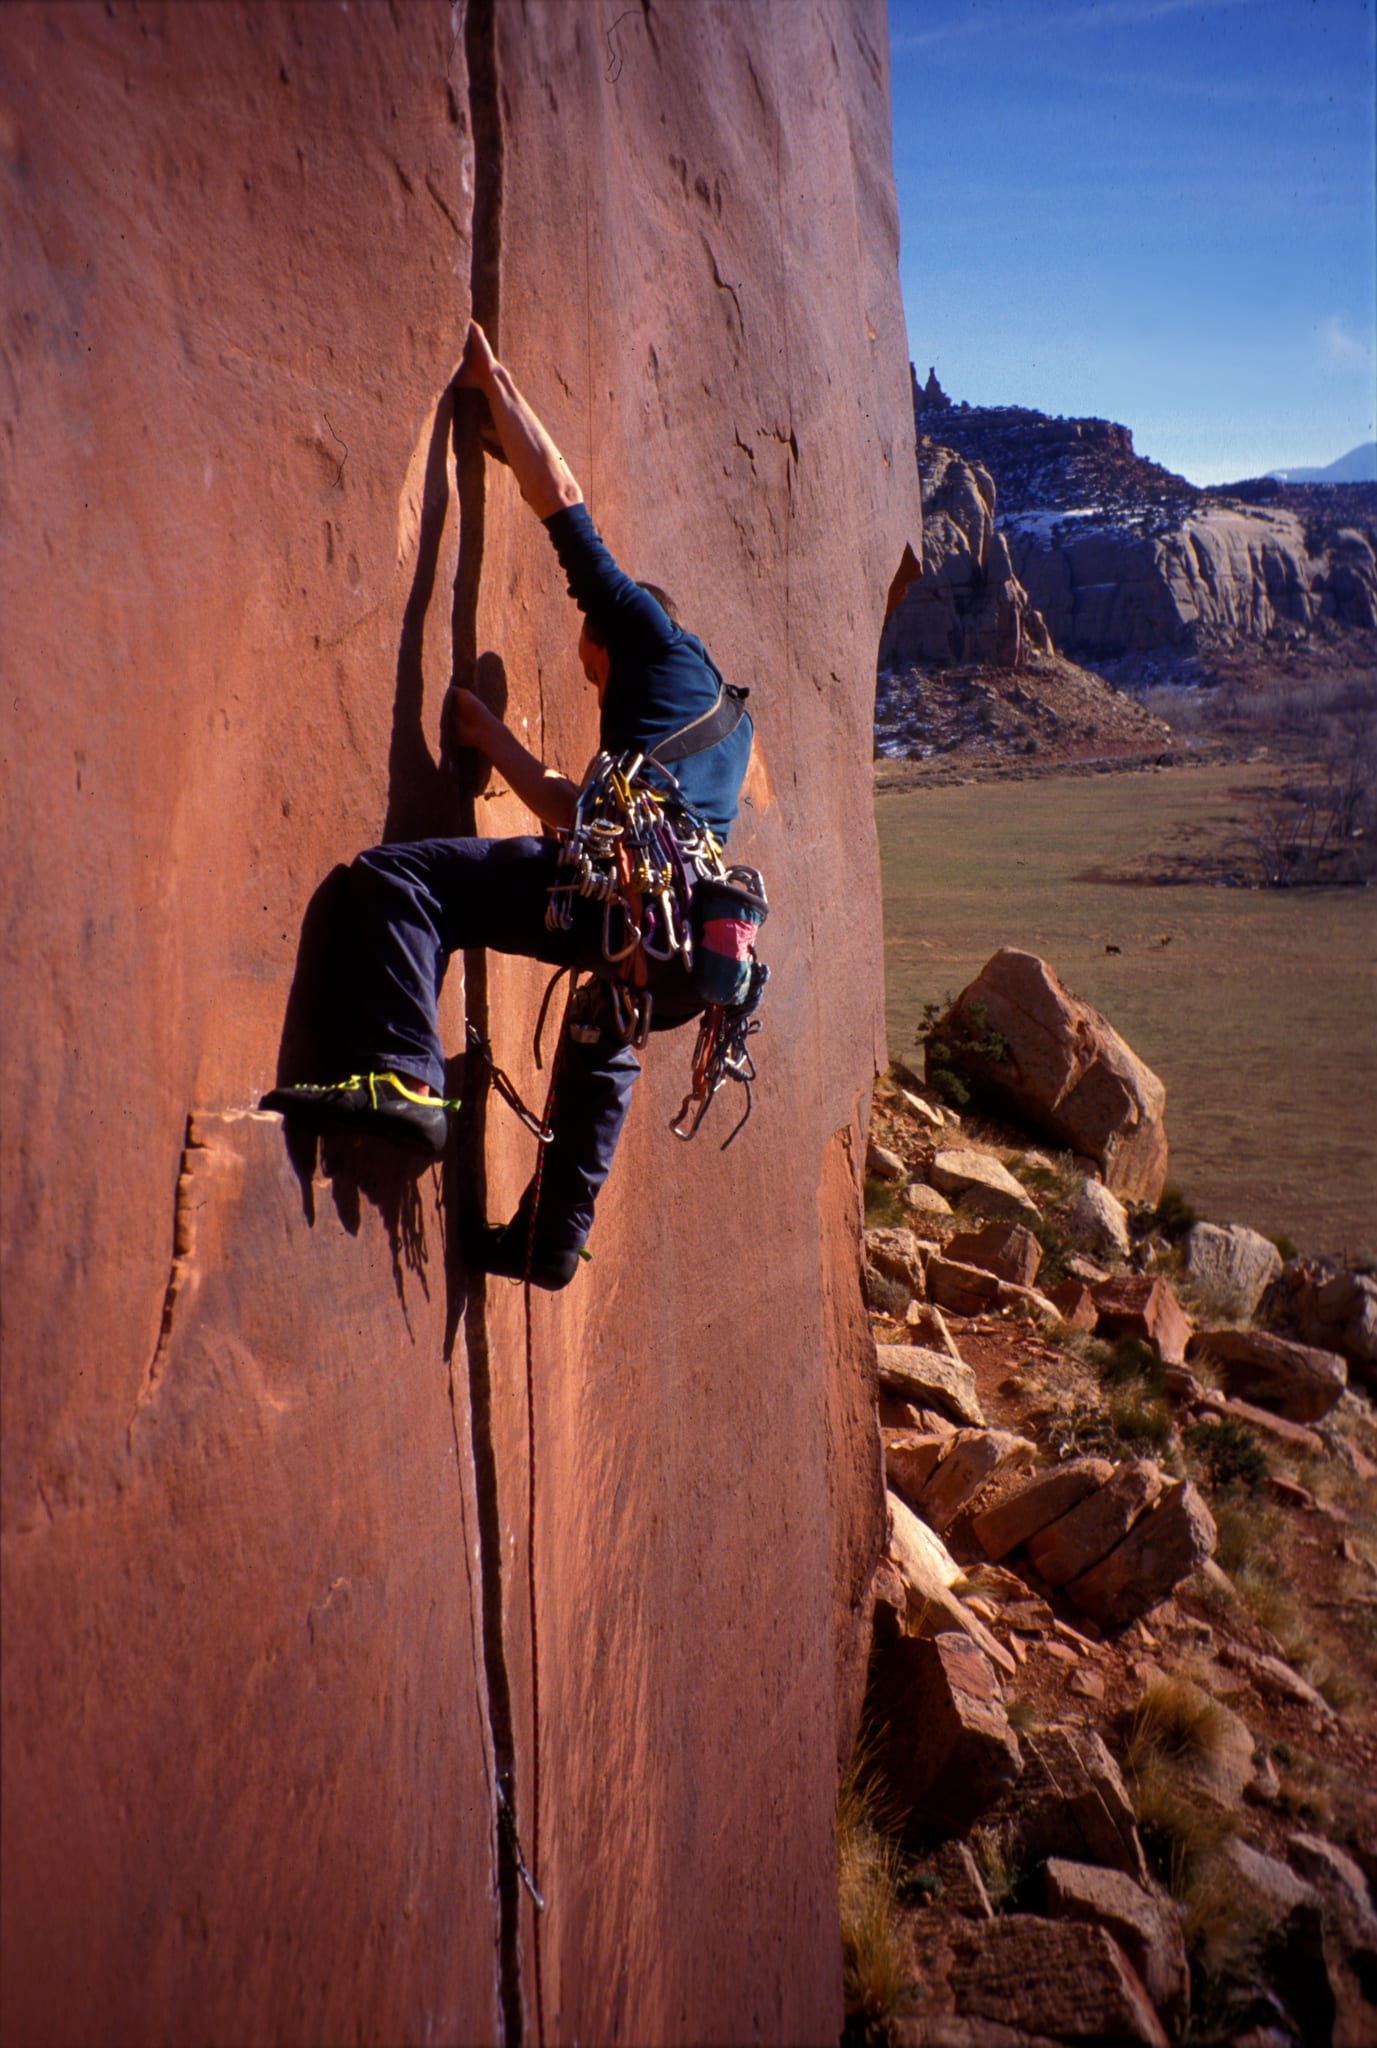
1257,1008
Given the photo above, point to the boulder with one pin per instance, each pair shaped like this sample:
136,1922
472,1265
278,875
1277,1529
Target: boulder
981,1183
1164,1546
1041,1053
1051,1977
911,1457
1274,1679
941,1737
962,1290
929,1379
895,1254
925,1200
929,1572
1289,1916
1233,1265
1002,1528
972,1458
1335,1875
1099,1220
1090,1530
1292,1380
1141,1305
1345,1318
1075,1304
1007,1249
1074,1803
1141,1921
1293,1436
883,1164
963,1887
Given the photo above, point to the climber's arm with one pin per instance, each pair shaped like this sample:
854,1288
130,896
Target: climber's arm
545,479
550,796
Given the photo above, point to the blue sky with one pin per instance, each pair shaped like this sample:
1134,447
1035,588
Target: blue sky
1162,212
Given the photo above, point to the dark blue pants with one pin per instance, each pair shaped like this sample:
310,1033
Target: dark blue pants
416,904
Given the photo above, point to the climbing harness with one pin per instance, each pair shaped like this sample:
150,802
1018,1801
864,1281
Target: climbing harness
639,849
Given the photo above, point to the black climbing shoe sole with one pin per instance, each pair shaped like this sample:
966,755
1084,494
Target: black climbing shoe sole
501,1250
375,1105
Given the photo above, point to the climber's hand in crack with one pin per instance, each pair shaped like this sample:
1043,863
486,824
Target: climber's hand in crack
546,481
477,363
466,721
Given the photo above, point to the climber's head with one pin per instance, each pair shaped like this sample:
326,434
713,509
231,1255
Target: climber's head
593,655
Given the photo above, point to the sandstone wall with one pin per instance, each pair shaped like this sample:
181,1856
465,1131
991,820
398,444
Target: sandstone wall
266,1644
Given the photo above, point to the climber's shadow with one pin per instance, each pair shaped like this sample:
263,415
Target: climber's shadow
431,794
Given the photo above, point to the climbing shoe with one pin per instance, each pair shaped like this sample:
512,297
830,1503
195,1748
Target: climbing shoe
501,1249
380,1104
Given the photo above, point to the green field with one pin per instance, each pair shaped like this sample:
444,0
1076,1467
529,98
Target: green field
1257,1008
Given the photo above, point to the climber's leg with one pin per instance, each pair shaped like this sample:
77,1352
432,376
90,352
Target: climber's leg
592,1095
412,906
415,905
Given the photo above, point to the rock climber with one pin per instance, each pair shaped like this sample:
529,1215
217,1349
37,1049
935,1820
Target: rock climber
414,905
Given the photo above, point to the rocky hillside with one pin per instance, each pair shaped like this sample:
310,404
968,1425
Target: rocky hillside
1121,557
1120,1776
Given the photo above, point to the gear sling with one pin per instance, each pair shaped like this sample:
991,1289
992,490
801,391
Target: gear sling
638,848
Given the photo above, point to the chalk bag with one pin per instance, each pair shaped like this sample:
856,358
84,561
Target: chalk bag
727,915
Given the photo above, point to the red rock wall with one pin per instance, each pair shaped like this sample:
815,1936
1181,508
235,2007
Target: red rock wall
266,1641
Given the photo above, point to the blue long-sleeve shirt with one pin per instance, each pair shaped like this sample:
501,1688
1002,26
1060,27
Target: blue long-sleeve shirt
659,677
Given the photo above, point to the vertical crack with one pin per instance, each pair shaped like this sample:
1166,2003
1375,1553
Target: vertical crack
467,1194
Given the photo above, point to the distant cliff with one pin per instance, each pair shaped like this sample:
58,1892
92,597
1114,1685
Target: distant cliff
1120,556
270,1732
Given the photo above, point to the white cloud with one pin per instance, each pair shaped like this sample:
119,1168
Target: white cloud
1343,348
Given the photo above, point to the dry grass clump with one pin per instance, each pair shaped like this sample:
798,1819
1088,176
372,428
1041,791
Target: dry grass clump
1174,1724
877,1963
1000,1862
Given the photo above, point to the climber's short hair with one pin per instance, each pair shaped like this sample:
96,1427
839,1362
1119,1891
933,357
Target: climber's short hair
661,597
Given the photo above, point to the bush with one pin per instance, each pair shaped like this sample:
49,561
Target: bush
1232,1456
1173,1215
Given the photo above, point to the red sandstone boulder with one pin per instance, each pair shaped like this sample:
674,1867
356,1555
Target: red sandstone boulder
943,1740
1075,1304
1024,1512
1142,1922
1163,1547
1141,1305
1091,1529
1051,1977
1074,1803
1057,1064
1007,1249
1293,1380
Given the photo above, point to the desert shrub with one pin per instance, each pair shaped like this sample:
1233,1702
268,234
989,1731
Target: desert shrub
1232,1457
1173,1215
1132,1361
1142,1426
883,1208
947,1041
